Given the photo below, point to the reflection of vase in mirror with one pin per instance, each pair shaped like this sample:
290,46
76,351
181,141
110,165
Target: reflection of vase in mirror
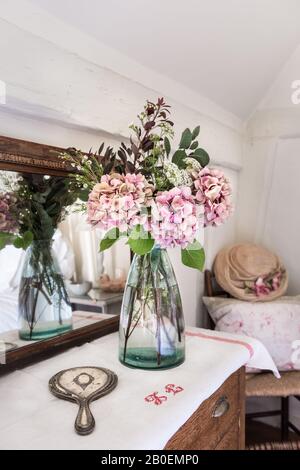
44,306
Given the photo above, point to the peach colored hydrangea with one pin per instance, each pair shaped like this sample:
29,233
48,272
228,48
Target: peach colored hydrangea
119,201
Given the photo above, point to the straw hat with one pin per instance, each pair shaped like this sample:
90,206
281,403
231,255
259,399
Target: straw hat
250,272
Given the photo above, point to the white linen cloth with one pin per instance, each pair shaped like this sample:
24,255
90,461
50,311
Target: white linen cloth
32,418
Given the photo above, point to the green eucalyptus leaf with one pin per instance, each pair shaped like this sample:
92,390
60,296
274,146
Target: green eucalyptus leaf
193,256
83,195
109,239
23,241
167,145
39,197
18,242
27,238
201,156
6,239
186,139
196,132
45,222
140,241
178,158
194,145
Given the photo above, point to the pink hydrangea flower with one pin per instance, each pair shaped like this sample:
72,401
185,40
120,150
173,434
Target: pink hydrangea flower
8,222
261,288
265,285
173,218
119,201
214,192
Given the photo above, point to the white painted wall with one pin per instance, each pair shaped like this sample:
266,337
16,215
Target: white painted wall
271,153
269,190
58,97
280,227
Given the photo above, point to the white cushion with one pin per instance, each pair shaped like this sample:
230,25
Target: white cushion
276,324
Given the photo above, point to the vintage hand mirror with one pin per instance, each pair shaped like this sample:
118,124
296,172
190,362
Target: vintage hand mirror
83,385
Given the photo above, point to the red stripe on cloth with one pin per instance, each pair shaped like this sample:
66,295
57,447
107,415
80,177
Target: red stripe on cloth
224,340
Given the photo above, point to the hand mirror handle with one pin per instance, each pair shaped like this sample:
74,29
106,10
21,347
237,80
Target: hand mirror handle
85,421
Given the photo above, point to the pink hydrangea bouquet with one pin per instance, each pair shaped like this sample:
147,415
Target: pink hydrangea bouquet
149,194
158,197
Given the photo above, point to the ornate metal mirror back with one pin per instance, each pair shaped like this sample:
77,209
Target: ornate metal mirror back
83,385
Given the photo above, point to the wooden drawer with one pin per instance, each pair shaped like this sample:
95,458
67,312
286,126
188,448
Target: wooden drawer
218,422
230,440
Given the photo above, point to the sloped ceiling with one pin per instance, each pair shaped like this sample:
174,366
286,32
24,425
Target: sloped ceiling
229,51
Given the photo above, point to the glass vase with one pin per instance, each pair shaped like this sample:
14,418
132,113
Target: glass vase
151,334
44,306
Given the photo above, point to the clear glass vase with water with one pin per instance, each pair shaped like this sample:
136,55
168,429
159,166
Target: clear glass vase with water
152,324
44,305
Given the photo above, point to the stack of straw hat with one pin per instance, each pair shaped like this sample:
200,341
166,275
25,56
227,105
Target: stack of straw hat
237,268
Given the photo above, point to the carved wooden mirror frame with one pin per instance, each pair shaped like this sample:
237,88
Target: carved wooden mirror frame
30,157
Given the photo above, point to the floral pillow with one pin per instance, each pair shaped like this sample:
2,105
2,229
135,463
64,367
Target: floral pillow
276,324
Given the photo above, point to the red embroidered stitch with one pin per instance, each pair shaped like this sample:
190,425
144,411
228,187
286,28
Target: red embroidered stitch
154,398
171,388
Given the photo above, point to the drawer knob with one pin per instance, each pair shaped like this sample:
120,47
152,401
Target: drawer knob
221,407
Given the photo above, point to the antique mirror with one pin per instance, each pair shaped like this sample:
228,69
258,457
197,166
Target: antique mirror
88,284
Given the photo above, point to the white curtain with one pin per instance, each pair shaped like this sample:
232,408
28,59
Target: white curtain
85,243
89,263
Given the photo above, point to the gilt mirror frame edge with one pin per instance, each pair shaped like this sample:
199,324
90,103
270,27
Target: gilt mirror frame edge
31,157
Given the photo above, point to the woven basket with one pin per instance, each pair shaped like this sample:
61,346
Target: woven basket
288,445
